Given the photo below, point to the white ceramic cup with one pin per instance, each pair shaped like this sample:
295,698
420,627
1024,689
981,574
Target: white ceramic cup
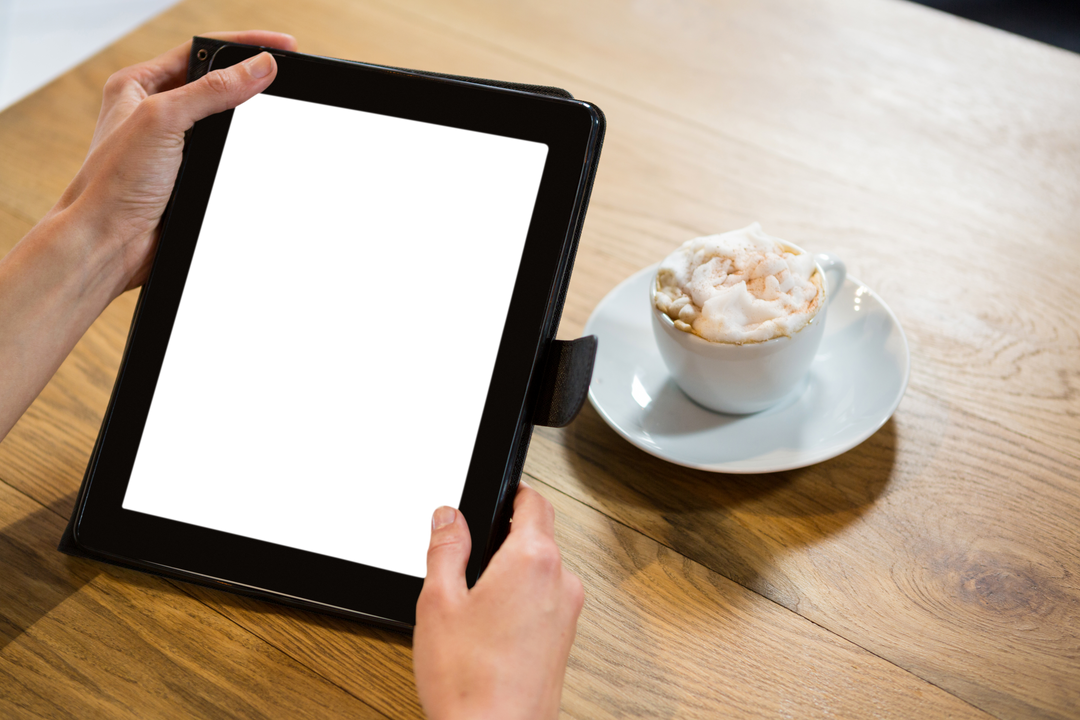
742,379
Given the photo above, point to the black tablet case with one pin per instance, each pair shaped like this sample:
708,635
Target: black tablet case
565,371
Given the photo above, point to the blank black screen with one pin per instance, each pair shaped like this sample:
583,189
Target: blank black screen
329,361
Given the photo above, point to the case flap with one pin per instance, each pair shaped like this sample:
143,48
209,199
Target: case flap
565,382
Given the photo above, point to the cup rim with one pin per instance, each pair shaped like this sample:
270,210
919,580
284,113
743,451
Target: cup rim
694,337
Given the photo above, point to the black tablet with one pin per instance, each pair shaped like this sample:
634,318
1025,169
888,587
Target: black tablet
347,325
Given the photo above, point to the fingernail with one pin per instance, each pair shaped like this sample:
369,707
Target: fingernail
443,517
260,65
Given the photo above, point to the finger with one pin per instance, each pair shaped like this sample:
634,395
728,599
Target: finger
532,513
169,70
448,553
214,92
127,88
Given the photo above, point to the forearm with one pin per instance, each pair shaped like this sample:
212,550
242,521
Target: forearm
53,285
100,238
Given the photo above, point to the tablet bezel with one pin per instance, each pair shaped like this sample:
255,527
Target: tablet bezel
571,130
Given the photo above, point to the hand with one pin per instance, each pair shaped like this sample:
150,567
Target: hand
500,649
99,238
128,175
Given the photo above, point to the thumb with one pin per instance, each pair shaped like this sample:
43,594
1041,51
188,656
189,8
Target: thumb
448,553
216,92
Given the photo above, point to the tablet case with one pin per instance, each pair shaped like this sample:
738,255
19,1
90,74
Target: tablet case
564,373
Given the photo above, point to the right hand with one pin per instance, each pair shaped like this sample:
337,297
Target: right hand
498,650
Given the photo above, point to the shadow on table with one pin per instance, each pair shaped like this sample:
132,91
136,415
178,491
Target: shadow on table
362,659
34,578
733,524
277,624
653,619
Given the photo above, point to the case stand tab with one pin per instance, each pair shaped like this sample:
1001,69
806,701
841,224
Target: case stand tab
565,383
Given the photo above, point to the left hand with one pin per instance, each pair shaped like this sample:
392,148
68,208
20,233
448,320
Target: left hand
135,154
100,237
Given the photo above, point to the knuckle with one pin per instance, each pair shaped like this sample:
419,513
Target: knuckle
543,554
444,542
543,506
151,111
575,591
116,82
542,502
549,510
219,82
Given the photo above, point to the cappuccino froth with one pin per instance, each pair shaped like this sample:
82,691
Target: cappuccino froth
738,287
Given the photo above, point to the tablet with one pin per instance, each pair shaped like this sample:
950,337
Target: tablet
347,325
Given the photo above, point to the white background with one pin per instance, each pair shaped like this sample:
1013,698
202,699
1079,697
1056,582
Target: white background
42,39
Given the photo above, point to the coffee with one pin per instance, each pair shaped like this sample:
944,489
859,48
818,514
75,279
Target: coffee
739,287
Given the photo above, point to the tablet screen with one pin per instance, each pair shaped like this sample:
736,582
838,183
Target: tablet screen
334,345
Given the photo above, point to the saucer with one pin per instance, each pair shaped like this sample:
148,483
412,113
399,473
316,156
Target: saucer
855,384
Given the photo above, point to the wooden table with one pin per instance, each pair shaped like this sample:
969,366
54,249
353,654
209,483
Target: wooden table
932,571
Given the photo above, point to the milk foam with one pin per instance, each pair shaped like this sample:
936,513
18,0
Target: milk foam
738,287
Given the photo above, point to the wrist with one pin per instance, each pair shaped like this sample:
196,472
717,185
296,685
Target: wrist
53,285
76,258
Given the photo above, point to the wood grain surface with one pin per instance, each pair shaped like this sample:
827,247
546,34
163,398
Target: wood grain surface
930,572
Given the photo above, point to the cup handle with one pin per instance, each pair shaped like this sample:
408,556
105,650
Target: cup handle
835,272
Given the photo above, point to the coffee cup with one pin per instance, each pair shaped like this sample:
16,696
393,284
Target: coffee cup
747,377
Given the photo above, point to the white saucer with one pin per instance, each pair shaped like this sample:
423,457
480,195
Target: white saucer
854,386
